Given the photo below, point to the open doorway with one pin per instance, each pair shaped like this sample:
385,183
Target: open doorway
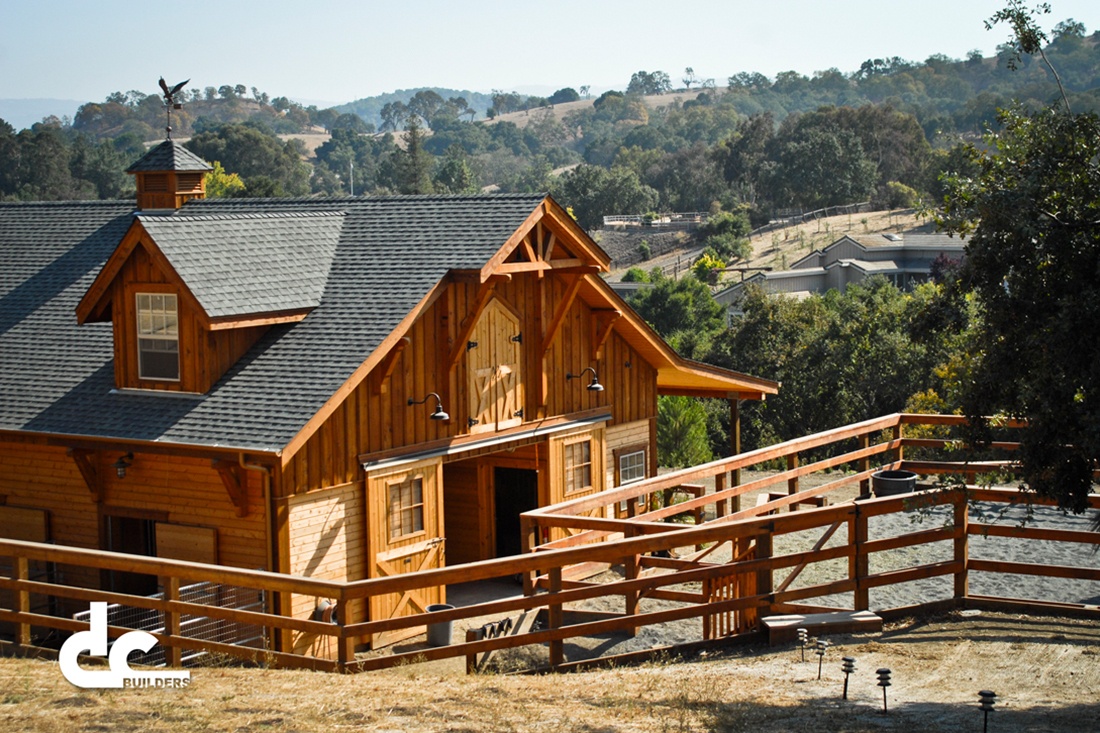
515,490
133,536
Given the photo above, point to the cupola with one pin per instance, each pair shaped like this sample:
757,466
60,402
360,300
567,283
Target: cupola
168,176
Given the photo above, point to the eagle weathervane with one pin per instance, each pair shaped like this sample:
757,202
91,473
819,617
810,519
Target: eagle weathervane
170,102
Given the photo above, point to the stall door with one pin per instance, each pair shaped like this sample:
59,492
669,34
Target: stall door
495,370
406,531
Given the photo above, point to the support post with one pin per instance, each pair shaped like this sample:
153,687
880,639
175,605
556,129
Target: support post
172,619
792,483
472,635
899,452
962,546
860,565
720,486
528,541
631,565
864,465
764,585
22,602
556,618
735,444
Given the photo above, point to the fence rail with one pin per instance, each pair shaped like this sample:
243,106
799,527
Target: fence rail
680,552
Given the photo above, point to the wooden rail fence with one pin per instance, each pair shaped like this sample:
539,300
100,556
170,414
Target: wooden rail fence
705,558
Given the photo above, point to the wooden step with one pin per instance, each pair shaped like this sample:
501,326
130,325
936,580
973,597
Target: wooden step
784,629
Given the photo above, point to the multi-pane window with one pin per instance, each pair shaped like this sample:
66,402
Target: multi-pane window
158,336
631,467
578,466
406,508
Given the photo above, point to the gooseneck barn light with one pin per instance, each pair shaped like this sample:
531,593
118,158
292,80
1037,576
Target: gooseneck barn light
593,386
438,413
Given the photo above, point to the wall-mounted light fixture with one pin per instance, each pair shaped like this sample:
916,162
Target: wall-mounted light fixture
593,386
438,413
122,464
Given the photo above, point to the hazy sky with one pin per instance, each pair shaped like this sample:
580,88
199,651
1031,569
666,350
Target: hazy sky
340,50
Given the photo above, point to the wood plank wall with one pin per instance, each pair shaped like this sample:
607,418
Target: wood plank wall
204,355
376,416
327,540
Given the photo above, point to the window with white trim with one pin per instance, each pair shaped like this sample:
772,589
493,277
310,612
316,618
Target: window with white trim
631,467
406,508
158,336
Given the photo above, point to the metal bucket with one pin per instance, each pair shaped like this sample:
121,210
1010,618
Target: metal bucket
439,634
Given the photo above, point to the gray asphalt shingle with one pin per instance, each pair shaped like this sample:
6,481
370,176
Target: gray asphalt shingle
57,377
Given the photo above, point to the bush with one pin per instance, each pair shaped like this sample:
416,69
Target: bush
636,275
644,250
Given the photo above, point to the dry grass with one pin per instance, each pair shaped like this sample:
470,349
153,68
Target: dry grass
1047,673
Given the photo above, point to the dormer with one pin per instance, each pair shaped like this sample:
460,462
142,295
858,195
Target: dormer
190,295
168,176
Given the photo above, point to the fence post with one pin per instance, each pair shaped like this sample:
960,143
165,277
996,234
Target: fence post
962,546
472,635
859,567
899,452
630,571
764,584
719,487
864,465
792,483
528,541
735,444
22,602
555,617
172,619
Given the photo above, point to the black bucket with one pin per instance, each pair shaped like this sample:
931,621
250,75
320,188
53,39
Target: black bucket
439,634
892,483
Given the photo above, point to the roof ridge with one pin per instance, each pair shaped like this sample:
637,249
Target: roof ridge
245,215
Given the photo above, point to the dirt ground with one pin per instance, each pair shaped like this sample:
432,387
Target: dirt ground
1046,673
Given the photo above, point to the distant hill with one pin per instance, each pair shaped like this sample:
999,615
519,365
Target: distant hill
370,108
22,113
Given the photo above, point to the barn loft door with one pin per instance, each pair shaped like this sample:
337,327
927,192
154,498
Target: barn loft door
495,370
406,532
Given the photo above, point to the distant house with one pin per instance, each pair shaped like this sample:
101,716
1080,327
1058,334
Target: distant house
333,388
904,259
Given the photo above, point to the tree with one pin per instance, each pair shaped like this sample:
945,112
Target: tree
252,154
566,94
413,164
1033,216
689,78
681,432
595,192
645,83
220,184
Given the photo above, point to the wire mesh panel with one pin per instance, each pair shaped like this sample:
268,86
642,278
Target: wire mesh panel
203,628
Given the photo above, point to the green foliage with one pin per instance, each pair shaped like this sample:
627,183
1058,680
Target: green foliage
644,250
594,192
644,82
636,275
567,94
681,432
674,305
1032,212
264,162
708,267
220,184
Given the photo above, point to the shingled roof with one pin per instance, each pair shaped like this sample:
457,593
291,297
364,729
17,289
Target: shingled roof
58,378
240,264
169,156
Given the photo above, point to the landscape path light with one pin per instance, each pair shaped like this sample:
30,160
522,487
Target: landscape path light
988,697
848,667
803,638
822,645
883,682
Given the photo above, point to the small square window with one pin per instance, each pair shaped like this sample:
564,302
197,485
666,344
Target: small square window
406,512
631,467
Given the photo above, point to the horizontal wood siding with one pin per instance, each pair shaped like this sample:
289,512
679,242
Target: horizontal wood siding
327,537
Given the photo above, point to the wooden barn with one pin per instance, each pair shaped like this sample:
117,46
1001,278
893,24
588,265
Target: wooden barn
334,388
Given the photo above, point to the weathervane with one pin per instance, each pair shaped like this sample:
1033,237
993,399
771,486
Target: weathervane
170,102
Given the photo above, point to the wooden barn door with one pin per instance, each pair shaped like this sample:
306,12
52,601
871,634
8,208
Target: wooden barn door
495,370
405,523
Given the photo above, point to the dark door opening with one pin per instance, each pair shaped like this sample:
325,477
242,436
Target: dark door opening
515,490
135,537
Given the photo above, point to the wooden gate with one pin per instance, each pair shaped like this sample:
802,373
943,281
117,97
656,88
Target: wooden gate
405,524
729,587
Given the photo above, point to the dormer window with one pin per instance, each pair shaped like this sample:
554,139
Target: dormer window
158,337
